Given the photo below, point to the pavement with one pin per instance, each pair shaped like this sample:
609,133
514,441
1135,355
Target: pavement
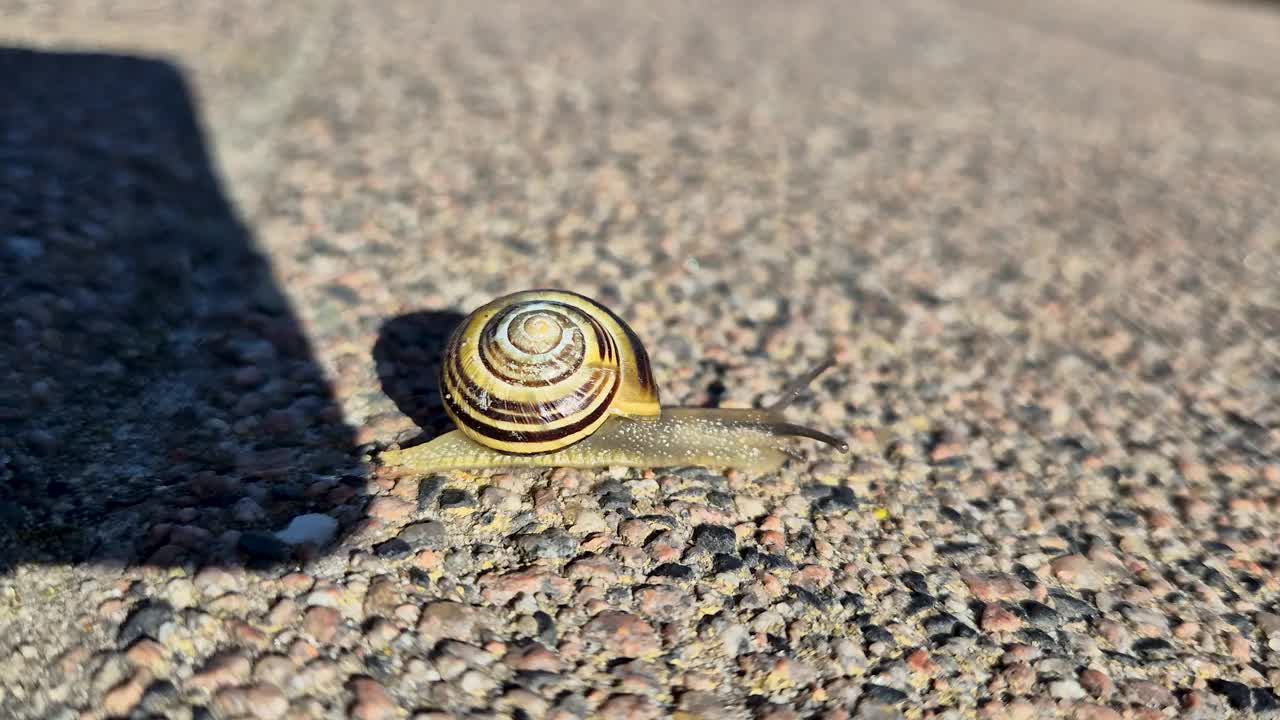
1040,240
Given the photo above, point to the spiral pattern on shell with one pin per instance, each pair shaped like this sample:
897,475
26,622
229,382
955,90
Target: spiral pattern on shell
539,370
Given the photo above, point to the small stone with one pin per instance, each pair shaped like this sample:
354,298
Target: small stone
476,682
312,528
672,570
223,670
149,655
1097,683
1237,694
588,521
625,706
1067,690
389,508
1145,692
429,534
372,701
1077,571
622,634
120,700
213,581
445,619
145,620
456,499
551,543
1040,614
532,657
393,548
997,619
715,538
501,588
883,695
267,702
273,669
995,587
322,622
428,489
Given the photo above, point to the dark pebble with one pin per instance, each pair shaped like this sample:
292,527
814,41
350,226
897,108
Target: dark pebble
144,621
956,548
1040,614
809,597
920,602
552,543
1239,622
427,491
1238,694
720,499
546,627
816,492
393,548
1122,658
379,667
852,601
453,499
715,538
1123,519
672,570
883,695
940,624
160,696
758,560
1217,548
1041,638
722,562
536,680
1070,606
263,546
1265,699
428,534
615,501
875,633
1153,649
915,581
842,497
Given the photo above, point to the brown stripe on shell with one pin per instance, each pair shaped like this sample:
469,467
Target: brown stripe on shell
539,436
522,412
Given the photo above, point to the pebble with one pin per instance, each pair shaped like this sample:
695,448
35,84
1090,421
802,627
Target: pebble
715,539
1077,571
145,620
998,619
389,508
622,634
372,701
430,534
314,528
322,622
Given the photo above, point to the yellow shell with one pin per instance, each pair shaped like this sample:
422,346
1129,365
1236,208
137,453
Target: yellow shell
539,370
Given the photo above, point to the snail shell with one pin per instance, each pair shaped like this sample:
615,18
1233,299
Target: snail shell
538,371
551,378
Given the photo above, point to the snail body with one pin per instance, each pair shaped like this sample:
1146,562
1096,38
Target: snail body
551,378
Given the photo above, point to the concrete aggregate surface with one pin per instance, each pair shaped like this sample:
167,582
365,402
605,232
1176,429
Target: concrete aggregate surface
1042,242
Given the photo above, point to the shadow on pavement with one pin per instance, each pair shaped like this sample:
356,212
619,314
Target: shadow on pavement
160,403
407,356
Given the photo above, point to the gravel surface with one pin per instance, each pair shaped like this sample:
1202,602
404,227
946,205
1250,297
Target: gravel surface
1042,242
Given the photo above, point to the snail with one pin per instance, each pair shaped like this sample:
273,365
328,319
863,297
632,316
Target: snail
552,378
